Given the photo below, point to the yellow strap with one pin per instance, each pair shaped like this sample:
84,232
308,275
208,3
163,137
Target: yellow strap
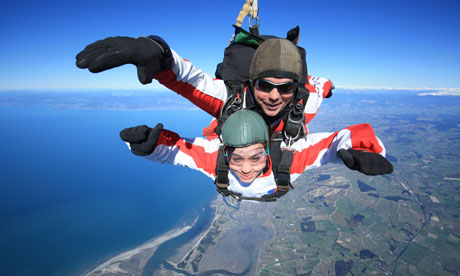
244,11
250,7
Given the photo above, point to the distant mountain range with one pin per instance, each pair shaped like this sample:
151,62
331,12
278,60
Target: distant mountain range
144,100
97,100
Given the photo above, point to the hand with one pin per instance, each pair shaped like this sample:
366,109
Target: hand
150,55
368,163
142,139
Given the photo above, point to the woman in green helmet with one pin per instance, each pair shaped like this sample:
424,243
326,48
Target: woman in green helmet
243,146
245,140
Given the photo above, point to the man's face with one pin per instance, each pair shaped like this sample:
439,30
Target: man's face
269,98
248,162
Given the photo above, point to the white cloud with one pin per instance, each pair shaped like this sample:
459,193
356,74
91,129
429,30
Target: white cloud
442,92
424,91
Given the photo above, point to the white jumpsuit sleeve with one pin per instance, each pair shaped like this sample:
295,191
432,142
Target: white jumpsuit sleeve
195,153
200,88
320,148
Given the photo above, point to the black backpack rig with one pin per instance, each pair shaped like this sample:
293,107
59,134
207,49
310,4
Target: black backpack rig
234,70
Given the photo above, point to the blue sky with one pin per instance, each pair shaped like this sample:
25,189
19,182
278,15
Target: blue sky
354,43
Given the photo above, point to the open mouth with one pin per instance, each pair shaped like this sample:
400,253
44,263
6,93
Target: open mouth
272,106
246,176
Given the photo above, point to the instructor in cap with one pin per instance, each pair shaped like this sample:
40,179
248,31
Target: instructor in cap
274,77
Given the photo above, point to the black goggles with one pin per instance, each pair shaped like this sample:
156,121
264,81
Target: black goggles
268,86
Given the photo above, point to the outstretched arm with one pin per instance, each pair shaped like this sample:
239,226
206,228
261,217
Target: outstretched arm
192,83
321,148
149,54
320,88
167,147
154,59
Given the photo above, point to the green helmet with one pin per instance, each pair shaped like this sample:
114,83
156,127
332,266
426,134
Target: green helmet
244,128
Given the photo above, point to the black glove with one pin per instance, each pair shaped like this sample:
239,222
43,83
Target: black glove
150,55
368,163
142,139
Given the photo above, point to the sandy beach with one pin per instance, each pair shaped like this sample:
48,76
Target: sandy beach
132,262
221,248
193,245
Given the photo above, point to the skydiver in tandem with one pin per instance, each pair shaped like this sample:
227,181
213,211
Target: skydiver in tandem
276,88
261,73
246,171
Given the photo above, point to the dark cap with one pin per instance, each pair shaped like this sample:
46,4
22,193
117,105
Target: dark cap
277,58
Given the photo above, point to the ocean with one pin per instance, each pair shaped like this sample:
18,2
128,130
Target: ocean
72,194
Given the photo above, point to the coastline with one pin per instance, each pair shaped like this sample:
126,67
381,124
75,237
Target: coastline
138,256
192,245
134,261
185,248
220,249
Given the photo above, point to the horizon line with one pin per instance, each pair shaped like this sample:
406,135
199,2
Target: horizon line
425,88
345,87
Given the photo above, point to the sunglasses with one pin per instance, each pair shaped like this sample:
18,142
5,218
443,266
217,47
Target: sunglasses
268,86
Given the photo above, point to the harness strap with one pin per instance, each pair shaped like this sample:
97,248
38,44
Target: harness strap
294,129
233,103
236,86
294,121
238,197
222,169
281,162
284,170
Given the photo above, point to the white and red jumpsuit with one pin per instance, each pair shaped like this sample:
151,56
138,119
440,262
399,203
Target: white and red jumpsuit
210,94
310,152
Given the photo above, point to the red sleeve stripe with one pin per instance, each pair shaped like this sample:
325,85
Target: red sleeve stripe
363,138
320,148
311,154
201,89
326,88
310,88
309,117
191,152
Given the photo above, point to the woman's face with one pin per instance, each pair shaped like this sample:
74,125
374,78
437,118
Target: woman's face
248,162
